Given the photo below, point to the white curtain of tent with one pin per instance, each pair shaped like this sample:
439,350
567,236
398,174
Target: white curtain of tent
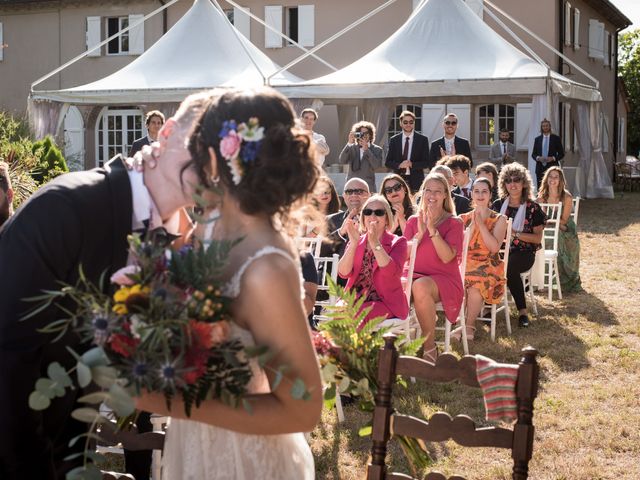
347,116
378,111
46,117
598,181
584,144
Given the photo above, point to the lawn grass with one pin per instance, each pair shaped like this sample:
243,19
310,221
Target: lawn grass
586,414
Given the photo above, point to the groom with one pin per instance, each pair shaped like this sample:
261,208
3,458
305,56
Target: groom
79,219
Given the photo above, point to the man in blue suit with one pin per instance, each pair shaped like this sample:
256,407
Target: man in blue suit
409,152
547,150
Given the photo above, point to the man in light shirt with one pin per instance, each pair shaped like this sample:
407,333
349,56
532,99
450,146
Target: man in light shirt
309,118
450,143
504,151
547,150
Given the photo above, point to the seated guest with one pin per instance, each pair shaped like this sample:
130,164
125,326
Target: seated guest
554,190
326,197
373,262
355,193
489,170
462,203
396,191
517,203
361,154
484,277
439,234
461,167
6,194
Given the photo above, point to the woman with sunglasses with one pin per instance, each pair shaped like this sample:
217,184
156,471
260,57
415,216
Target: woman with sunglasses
396,191
439,234
373,262
516,202
553,190
484,276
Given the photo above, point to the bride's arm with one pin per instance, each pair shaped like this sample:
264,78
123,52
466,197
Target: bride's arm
270,305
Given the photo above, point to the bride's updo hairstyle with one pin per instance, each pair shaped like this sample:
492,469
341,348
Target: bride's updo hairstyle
279,169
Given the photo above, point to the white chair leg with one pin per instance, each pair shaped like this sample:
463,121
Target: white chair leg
462,320
555,267
447,335
549,280
507,316
339,408
493,323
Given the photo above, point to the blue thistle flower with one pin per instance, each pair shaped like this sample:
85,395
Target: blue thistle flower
227,126
249,151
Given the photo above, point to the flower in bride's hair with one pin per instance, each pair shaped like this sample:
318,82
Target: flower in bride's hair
239,145
230,145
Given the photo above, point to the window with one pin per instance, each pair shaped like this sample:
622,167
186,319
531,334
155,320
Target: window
120,44
596,39
491,119
394,123
117,129
292,23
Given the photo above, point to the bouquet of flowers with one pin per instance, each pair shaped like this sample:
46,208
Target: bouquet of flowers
349,361
165,329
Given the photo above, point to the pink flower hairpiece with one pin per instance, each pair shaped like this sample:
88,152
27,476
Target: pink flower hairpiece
239,145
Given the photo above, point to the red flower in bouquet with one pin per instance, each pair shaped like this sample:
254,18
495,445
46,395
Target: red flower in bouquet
123,344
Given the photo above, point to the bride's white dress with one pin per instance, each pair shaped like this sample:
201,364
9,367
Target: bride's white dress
197,451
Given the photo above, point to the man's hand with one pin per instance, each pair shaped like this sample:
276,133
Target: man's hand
343,228
364,143
353,231
405,164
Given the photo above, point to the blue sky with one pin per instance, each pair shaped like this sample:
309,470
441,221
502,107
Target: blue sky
631,8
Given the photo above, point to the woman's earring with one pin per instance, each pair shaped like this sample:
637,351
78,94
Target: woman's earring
215,181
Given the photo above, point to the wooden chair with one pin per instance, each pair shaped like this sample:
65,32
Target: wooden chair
441,427
493,309
627,174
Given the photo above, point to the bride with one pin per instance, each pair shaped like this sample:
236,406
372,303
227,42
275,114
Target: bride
245,146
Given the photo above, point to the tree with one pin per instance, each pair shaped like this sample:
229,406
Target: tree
51,162
629,67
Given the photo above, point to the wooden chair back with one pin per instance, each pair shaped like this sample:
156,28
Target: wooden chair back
441,427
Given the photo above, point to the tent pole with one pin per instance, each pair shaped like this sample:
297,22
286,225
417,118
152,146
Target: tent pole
288,39
561,55
87,52
331,38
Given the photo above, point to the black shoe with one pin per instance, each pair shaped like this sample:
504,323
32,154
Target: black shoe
523,321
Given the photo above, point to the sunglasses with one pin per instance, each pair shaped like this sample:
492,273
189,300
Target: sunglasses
512,180
450,122
394,188
407,122
378,212
355,191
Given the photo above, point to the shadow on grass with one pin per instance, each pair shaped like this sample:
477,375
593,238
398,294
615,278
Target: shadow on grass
609,216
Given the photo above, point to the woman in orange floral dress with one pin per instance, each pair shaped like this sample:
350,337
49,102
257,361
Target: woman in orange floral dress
484,280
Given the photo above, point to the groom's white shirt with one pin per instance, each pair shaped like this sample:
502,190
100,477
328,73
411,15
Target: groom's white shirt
145,209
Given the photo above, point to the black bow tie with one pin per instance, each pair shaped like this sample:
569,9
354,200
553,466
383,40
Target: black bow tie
158,236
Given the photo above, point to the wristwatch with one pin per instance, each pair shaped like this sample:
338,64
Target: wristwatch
378,247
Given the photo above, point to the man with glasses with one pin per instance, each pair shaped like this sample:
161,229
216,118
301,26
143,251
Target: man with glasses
450,143
547,150
409,152
361,154
356,191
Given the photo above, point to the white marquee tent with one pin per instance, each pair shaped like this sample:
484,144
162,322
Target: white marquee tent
445,53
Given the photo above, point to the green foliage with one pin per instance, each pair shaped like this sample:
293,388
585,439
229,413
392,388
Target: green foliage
51,162
16,149
629,65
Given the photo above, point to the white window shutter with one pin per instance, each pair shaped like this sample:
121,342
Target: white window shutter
596,39
567,24
242,21
273,18
432,115
606,53
523,124
576,29
1,43
306,25
463,111
136,35
93,35
475,6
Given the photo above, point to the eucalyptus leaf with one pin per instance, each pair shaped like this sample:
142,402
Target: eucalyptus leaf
84,374
87,415
95,397
75,439
58,374
276,381
95,357
343,386
246,404
38,401
120,401
46,387
298,389
104,376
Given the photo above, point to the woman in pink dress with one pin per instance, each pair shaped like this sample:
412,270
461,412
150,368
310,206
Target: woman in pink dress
372,263
436,273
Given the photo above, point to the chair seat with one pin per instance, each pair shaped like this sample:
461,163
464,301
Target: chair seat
550,254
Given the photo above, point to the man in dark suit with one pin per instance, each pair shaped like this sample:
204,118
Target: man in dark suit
409,152
78,219
450,144
153,121
547,150
462,203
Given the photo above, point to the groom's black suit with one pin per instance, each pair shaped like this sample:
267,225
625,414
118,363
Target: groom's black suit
78,219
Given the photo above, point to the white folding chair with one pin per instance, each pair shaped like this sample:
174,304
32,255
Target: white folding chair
503,305
575,209
404,326
461,317
327,267
309,244
528,285
550,245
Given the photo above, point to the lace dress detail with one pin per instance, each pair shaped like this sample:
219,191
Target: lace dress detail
197,451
